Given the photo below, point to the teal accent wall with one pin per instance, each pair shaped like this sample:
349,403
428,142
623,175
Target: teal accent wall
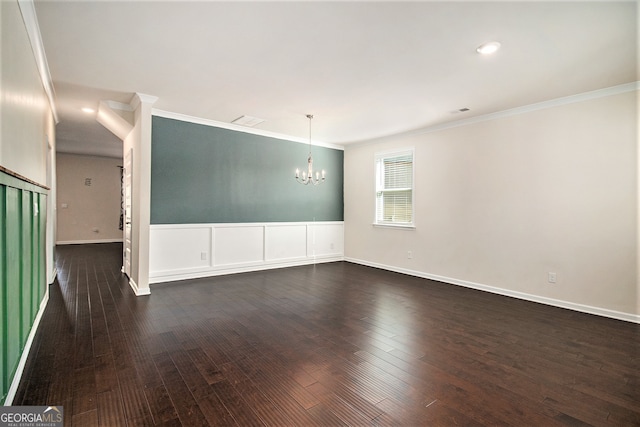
23,208
204,174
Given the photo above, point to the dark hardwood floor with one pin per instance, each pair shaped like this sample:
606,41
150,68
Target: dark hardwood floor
332,344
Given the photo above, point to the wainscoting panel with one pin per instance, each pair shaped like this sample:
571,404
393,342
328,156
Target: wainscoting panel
325,240
183,248
238,245
185,251
286,242
23,285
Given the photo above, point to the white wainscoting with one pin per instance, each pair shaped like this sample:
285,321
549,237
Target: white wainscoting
186,251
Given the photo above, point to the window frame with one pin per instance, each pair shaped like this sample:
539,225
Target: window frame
379,158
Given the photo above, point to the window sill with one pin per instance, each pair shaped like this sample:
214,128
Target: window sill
399,226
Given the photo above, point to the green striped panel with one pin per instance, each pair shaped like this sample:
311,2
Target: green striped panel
4,384
12,286
26,256
22,270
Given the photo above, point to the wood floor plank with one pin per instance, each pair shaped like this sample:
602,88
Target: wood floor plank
84,390
185,404
215,411
328,344
160,405
324,417
346,412
281,375
236,405
110,411
261,404
105,373
205,366
99,329
88,419
284,401
60,391
136,407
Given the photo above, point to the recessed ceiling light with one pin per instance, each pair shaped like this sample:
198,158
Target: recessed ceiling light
88,110
488,48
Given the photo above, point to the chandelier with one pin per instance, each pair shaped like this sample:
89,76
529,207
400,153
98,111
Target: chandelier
307,176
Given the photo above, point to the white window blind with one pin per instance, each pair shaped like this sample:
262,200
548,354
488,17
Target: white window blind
394,188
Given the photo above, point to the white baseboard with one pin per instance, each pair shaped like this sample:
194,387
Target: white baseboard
25,352
136,290
52,277
598,311
82,242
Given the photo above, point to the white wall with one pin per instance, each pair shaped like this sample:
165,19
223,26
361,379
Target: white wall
25,115
638,163
500,203
88,213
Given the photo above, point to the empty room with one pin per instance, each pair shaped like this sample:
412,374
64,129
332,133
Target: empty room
320,213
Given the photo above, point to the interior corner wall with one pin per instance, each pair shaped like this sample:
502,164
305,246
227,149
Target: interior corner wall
89,199
26,124
501,203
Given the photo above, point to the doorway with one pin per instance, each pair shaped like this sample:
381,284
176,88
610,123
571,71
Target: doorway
128,177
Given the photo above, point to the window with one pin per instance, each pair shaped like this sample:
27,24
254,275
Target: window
394,188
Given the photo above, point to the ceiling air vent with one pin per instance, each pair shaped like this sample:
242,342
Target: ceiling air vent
247,121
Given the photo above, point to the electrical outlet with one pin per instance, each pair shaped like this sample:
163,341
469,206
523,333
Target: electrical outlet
552,277
203,256
409,255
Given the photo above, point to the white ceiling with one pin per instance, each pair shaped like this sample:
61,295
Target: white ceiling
364,69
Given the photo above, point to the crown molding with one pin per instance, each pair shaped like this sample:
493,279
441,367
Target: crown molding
239,128
571,99
141,98
565,100
28,12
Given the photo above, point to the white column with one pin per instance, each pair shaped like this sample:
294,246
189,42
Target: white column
139,140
